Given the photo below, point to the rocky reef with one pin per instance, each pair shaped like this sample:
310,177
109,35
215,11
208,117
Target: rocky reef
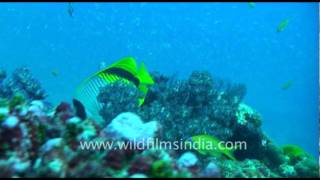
38,140
21,81
200,104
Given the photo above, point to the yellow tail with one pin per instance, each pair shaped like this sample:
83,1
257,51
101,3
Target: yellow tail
144,76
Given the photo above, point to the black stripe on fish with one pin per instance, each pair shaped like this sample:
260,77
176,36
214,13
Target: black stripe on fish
123,74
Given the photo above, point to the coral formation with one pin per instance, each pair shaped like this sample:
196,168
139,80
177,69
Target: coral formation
129,126
37,140
124,98
187,160
212,170
246,169
21,81
198,105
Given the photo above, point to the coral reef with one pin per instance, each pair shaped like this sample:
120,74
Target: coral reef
3,75
246,169
124,98
21,81
211,171
40,142
37,140
187,160
129,126
200,104
298,163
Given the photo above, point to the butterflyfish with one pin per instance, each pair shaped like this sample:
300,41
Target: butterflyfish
125,70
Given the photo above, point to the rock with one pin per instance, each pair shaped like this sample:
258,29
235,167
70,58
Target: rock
212,170
73,120
37,108
245,113
24,111
138,176
37,163
6,170
88,132
4,112
51,144
308,167
287,170
245,169
124,99
15,164
21,167
56,166
3,74
37,103
130,127
187,160
11,122
274,156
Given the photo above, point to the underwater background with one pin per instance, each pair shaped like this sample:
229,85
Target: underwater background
270,48
233,41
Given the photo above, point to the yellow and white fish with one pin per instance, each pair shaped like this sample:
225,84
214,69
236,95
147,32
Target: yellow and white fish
125,70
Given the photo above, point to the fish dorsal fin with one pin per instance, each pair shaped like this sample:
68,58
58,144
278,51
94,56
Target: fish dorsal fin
211,138
144,76
128,64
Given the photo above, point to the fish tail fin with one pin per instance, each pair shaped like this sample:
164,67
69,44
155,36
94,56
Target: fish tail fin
140,101
144,76
145,79
144,90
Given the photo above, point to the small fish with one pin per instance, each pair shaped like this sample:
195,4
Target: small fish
286,85
125,70
251,4
282,25
102,65
70,9
209,146
55,73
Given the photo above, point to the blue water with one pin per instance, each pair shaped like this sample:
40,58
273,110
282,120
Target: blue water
231,40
